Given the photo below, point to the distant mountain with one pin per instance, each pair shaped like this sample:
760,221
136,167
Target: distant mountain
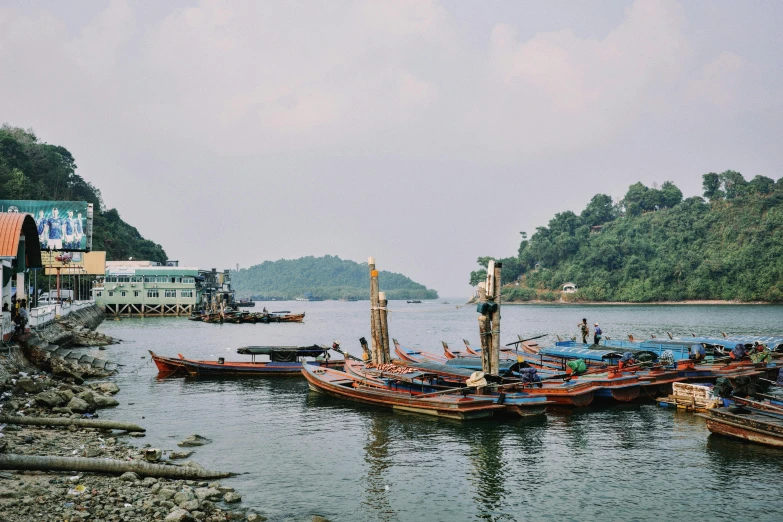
329,277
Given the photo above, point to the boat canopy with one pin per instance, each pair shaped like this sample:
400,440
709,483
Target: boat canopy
773,342
295,351
580,352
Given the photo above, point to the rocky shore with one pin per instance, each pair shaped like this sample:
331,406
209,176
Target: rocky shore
63,390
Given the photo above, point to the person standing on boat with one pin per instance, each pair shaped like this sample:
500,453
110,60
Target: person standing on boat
585,330
597,334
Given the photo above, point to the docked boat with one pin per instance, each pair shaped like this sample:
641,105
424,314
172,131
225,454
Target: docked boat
752,421
374,392
283,361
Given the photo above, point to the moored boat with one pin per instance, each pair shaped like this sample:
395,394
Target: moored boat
168,366
747,423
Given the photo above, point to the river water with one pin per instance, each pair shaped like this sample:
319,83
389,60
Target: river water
302,453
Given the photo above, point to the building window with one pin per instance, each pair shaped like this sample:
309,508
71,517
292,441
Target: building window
149,279
136,293
111,294
188,280
187,293
98,294
122,293
171,293
152,293
123,279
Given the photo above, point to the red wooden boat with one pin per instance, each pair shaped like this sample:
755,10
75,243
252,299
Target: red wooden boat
168,366
755,422
449,406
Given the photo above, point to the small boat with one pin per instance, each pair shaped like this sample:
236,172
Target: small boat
168,366
414,301
751,421
283,361
245,303
196,316
369,391
399,378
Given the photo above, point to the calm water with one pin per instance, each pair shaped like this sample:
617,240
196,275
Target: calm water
303,453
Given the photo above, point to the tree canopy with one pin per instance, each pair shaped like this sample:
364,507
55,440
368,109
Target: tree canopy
30,169
653,245
329,277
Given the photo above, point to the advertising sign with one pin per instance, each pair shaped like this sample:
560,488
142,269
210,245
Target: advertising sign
63,226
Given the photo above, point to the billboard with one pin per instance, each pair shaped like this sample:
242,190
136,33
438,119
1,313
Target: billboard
74,263
63,226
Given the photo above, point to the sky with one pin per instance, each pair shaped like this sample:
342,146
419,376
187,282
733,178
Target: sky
423,133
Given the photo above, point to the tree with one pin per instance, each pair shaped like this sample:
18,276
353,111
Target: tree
670,194
600,210
734,184
477,276
761,185
711,184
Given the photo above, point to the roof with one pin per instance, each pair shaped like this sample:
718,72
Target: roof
13,225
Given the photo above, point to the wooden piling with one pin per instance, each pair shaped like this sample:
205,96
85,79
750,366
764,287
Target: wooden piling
494,360
484,328
383,312
375,316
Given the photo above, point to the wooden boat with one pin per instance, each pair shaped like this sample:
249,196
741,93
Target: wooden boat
284,361
752,423
450,406
196,316
417,382
168,366
414,301
416,355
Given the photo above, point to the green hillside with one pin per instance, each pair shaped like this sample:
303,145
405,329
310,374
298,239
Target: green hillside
329,277
654,246
30,169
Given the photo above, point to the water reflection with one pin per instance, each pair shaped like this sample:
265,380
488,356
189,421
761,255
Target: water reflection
378,459
489,471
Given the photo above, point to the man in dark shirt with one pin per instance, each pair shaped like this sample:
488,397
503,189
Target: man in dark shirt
584,329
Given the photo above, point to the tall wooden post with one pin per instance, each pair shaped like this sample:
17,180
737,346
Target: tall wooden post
383,312
484,329
495,318
375,316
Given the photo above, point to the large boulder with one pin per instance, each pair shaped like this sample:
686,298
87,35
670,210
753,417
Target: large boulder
153,454
79,406
28,385
102,401
231,497
183,496
208,494
50,399
107,387
87,396
178,515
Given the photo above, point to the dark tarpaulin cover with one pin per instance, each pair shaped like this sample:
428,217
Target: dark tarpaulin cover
739,351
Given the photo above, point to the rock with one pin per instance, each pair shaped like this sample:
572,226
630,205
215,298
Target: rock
194,440
190,505
101,401
198,515
207,505
180,454
224,489
93,452
79,405
129,476
87,396
149,481
166,493
183,496
208,494
168,504
107,387
255,517
153,454
50,399
67,393
155,488
215,484
319,518
178,515
231,497
137,435
28,385
67,411
61,369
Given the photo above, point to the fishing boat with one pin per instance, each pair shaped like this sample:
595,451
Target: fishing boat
416,355
414,301
196,316
752,421
283,361
415,381
168,366
374,392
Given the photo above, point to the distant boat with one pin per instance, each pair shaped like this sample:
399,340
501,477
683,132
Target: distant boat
309,297
415,301
348,299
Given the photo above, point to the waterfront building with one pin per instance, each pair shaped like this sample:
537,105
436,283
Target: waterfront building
147,288
19,252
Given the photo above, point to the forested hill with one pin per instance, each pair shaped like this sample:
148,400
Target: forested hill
654,246
329,277
30,169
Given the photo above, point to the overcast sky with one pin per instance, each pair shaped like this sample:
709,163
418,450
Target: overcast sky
423,133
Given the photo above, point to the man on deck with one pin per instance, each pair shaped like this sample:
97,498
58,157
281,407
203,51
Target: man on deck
585,330
597,333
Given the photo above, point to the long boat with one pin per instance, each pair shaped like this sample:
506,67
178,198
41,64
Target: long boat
450,406
417,382
284,361
755,422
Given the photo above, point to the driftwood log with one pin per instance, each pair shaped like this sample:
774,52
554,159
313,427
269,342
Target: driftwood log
59,421
116,467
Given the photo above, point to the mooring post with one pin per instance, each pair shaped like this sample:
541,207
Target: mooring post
495,317
484,328
386,354
375,316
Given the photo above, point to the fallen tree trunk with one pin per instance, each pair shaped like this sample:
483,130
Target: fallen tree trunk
116,467
81,423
